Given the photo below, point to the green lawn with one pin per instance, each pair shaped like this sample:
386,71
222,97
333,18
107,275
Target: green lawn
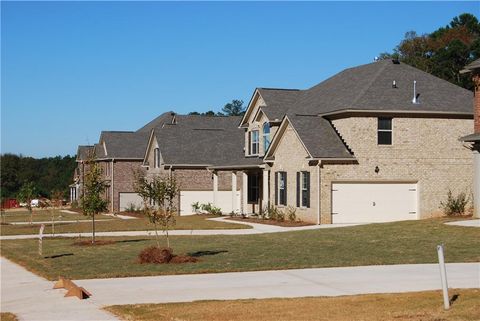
192,222
44,215
419,306
388,243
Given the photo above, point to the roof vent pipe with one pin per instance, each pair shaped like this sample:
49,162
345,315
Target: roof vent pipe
415,95
394,84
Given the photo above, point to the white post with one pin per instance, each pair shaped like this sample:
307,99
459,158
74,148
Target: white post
215,188
265,196
443,275
476,181
244,193
234,192
40,240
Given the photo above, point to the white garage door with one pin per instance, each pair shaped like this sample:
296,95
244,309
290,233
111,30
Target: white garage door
373,202
223,200
127,199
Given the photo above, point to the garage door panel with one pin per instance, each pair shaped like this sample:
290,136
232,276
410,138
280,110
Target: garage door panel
373,202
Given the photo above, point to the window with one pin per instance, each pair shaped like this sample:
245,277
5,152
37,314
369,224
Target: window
254,142
107,169
266,136
156,158
253,188
384,131
281,188
303,189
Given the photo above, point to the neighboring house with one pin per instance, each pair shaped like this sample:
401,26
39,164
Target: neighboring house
119,154
76,189
474,139
374,143
186,147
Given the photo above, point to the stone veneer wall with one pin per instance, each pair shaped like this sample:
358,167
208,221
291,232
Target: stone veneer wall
424,150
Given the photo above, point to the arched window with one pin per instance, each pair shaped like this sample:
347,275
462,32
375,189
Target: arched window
266,136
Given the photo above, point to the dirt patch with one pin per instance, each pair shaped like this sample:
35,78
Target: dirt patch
270,222
89,243
157,255
133,214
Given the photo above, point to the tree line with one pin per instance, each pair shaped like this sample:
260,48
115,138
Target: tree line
443,52
46,174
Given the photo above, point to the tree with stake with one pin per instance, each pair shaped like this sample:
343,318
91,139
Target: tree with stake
158,197
26,194
94,186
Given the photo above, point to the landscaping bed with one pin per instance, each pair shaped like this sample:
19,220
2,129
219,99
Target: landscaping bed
419,306
408,242
270,222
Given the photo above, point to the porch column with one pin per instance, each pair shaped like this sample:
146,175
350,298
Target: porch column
234,192
265,197
244,193
215,188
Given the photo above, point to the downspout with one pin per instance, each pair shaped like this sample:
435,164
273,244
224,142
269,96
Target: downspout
318,192
112,184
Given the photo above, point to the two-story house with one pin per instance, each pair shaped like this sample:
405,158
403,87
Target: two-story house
374,143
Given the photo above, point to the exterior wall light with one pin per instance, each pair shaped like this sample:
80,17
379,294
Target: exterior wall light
377,169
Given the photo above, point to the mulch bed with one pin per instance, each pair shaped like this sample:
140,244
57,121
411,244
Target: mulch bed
271,222
89,243
157,255
133,214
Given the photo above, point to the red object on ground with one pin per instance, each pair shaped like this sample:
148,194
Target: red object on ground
10,203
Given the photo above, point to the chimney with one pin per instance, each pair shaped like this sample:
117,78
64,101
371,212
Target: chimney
476,103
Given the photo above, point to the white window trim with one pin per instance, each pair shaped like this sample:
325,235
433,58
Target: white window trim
252,142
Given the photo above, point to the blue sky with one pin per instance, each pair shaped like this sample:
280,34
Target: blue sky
72,69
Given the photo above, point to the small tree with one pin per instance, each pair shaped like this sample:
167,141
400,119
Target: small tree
54,204
26,194
158,197
94,186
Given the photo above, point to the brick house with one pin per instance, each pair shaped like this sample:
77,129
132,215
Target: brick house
374,143
474,139
83,152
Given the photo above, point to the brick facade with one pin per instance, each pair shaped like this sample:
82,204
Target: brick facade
424,150
123,179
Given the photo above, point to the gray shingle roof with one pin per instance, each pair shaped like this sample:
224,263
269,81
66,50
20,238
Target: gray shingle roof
164,118
472,138
83,152
203,140
278,101
122,144
369,87
319,137
471,66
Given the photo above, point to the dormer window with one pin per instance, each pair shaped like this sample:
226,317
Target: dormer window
254,142
266,136
156,158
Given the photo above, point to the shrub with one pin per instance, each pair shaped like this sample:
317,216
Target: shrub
210,209
455,205
280,215
291,213
196,207
131,208
74,204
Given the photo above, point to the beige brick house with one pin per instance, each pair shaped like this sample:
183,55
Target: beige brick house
374,143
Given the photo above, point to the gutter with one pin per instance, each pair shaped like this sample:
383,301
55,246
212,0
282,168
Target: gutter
237,167
397,112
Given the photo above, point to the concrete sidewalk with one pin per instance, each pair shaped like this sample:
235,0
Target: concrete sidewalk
281,284
256,229
468,223
32,298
